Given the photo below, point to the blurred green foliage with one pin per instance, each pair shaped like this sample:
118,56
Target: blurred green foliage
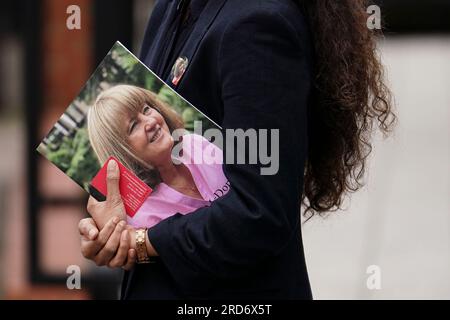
75,157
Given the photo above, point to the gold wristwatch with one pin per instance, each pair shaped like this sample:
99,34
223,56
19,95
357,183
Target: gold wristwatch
141,247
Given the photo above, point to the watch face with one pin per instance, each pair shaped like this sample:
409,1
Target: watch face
140,235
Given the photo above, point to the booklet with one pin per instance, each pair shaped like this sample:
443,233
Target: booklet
127,113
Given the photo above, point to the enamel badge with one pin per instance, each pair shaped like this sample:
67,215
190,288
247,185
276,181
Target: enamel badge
178,69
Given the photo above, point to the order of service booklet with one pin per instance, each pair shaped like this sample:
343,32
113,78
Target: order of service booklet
126,113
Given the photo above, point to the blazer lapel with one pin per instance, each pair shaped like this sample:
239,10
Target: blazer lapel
154,58
202,25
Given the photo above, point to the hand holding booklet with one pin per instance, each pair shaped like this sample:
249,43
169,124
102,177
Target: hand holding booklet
127,114
132,190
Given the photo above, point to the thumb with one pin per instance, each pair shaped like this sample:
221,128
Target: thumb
112,181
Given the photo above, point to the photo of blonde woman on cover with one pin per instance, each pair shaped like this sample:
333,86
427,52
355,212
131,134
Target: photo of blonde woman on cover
133,125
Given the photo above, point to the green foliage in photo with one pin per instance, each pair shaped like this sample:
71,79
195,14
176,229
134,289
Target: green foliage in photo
75,157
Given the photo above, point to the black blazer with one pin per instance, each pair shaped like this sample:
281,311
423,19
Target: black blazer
250,66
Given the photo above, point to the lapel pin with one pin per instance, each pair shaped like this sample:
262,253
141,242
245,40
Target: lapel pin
178,69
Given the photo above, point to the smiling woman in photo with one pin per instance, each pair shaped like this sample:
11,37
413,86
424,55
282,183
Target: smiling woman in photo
133,125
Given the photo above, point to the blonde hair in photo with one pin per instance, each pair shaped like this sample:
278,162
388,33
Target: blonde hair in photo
106,130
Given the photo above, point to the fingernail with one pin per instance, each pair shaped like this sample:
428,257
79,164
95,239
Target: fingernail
122,224
92,234
112,166
116,220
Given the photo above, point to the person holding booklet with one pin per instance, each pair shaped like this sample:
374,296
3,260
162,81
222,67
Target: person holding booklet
306,68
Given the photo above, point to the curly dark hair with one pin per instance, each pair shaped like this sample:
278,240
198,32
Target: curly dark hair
350,96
